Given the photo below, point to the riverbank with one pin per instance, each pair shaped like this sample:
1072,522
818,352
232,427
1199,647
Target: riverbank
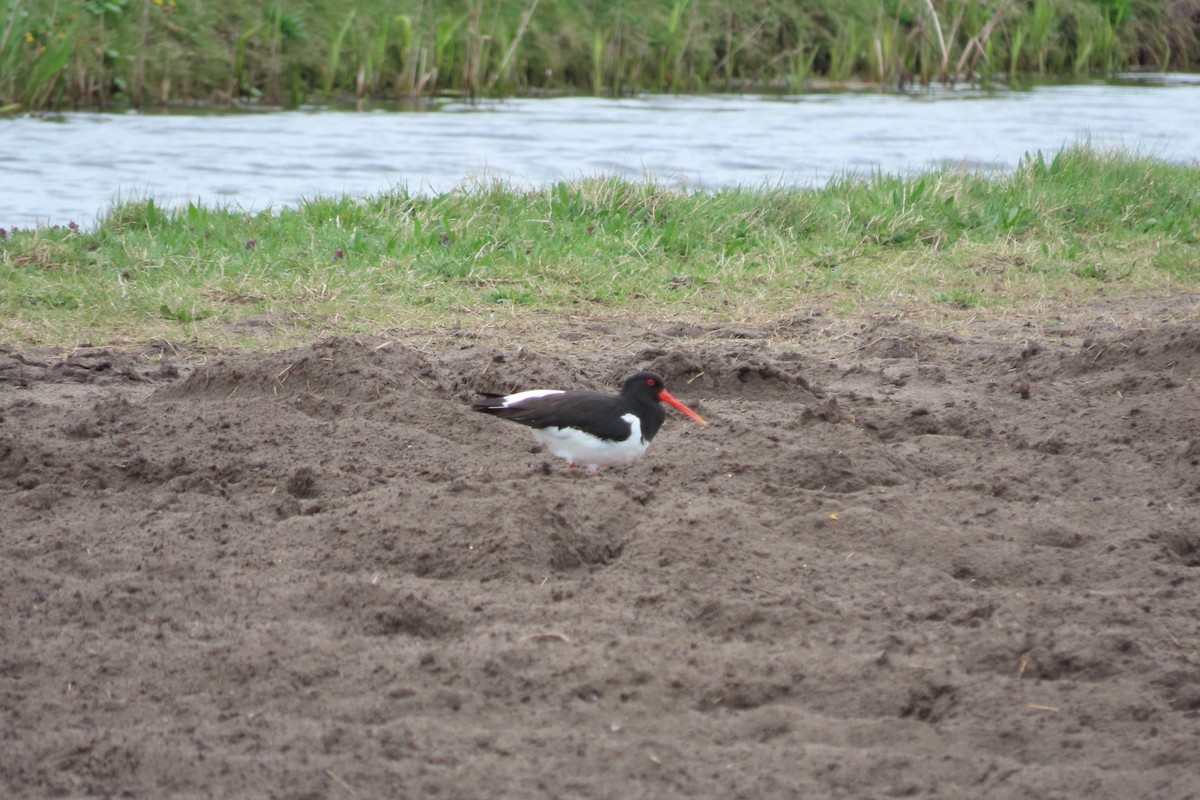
147,53
1060,230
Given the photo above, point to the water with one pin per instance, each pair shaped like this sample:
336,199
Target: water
71,167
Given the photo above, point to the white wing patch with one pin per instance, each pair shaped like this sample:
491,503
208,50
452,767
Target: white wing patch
519,397
585,450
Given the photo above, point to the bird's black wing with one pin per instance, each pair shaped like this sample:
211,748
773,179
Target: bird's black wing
591,412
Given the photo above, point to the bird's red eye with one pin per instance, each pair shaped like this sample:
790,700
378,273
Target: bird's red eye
650,381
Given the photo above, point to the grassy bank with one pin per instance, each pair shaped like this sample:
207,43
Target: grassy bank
117,53
1061,230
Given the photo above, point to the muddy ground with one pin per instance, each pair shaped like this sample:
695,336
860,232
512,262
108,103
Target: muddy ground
901,561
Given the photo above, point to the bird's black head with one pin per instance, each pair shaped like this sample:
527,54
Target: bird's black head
648,386
644,384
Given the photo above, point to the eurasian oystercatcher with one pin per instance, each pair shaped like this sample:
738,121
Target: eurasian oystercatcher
591,429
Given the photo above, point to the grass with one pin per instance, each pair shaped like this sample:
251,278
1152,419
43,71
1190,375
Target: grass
121,53
1064,228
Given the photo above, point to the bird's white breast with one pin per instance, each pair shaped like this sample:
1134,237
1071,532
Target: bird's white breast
586,450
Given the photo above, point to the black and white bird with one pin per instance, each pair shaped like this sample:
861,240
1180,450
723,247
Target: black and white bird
591,429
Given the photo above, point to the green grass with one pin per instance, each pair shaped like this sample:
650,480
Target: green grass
121,53
1059,229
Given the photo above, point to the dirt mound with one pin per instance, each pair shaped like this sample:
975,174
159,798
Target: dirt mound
746,370
1166,347
85,365
481,534
925,565
338,371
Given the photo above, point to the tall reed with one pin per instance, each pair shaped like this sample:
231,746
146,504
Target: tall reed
1042,28
674,41
135,51
335,51
32,60
598,47
510,51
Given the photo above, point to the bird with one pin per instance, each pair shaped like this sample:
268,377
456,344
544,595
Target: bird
591,429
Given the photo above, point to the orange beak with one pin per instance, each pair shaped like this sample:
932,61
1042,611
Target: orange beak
666,397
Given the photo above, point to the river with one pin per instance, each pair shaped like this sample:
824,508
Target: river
71,167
